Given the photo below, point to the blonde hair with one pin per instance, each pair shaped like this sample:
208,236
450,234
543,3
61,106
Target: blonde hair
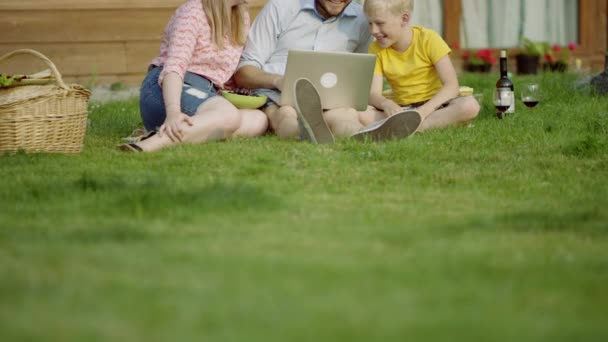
393,6
226,21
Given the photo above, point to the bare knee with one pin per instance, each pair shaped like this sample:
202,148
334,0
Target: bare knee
226,116
370,116
468,108
259,121
232,120
284,121
343,122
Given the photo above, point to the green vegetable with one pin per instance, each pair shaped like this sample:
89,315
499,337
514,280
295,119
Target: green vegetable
6,80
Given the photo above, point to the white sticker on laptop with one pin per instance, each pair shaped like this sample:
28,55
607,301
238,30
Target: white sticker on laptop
329,80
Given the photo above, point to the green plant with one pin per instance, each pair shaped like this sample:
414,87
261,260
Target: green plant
531,48
117,86
92,82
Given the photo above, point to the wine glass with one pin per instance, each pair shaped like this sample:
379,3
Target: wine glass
503,99
530,94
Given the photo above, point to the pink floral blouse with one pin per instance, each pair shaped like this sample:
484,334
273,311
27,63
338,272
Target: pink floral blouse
186,46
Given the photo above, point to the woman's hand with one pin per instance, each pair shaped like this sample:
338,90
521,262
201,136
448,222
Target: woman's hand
173,126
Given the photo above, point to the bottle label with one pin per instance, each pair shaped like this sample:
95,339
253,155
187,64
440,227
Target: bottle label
507,96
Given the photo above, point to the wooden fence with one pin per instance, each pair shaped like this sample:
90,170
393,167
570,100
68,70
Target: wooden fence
106,41
91,42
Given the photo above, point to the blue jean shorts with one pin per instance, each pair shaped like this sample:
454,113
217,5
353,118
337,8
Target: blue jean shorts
195,91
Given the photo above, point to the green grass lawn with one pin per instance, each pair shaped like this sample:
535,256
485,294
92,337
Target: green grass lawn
493,232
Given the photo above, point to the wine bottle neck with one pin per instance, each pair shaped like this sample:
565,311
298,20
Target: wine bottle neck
503,67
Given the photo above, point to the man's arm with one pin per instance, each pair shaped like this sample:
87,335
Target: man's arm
252,77
261,45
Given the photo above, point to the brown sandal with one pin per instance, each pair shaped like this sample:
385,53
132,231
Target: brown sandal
130,147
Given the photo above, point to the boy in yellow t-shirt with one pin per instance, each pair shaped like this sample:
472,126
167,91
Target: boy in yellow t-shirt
416,63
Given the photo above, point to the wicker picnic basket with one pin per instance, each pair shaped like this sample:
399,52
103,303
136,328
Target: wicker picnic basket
48,117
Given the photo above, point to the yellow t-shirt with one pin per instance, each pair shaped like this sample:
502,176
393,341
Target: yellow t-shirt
412,74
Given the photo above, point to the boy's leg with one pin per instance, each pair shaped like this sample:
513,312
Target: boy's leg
371,115
460,110
397,126
344,122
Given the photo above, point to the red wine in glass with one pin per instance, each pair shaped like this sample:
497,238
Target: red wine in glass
531,103
530,94
503,99
501,111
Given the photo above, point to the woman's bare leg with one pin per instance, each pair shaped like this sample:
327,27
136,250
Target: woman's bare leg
216,119
253,123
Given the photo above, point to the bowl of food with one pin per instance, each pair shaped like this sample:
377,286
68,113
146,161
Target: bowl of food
465,91
244,100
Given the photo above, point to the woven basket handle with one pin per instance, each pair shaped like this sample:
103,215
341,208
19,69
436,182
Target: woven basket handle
43,58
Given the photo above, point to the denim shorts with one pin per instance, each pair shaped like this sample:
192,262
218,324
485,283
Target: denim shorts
195,91
273,96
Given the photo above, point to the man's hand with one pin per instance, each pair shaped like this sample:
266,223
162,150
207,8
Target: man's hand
277,82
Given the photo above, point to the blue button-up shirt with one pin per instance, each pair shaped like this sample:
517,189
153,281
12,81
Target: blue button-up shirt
283,25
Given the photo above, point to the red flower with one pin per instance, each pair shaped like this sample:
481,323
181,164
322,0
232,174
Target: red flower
479,57
557,53
486,56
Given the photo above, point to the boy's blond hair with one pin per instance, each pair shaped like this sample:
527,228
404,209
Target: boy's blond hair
393,6
225,21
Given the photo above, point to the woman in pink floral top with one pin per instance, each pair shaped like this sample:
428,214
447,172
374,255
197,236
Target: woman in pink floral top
199,53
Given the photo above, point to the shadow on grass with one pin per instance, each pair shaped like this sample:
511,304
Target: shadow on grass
587,221
153,194
584,221
589,147
121,209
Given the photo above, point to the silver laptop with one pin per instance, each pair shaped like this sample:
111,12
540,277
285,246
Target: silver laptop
343,79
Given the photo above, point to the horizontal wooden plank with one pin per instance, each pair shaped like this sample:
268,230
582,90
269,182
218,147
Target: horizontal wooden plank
83,25
79,4
70,59
139,55
130,80
94,63
102,4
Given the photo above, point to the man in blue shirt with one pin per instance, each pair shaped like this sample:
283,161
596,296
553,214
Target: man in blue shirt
320,25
